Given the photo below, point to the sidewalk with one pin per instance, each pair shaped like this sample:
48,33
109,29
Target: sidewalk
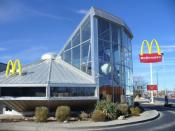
79,125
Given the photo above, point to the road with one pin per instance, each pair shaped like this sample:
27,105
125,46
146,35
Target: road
166,121
163,99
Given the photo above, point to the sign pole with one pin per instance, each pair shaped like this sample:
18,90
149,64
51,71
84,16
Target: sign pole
150,57
151,80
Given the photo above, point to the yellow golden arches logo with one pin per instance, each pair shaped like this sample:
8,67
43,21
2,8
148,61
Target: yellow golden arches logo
149,46
14,67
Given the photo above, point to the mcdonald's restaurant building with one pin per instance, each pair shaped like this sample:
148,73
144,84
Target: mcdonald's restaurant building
95,63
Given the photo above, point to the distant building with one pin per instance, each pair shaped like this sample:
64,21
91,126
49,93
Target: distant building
95,63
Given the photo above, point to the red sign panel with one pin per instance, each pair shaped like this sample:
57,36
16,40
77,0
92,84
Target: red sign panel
151,87
150,58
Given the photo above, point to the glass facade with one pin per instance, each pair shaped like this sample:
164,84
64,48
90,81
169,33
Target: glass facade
72,91
78,50
115,55
112,55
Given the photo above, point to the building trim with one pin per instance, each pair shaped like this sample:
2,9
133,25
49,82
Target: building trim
51,98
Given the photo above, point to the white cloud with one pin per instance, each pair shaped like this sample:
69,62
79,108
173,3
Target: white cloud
82,11
48,15
10,10
27,55
167,48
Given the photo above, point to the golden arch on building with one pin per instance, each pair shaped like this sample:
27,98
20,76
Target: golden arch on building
14,67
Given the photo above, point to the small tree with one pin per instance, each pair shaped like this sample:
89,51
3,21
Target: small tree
108,108
139,85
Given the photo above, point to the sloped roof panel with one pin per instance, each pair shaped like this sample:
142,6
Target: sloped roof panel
47,72
32,74
61,72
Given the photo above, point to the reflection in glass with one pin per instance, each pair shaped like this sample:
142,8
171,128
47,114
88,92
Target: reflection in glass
68,46
114,46
76,39
76,56
85,28
72,91
23,91
67,56
86,50
103,29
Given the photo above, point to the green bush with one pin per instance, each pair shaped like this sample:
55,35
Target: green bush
62,113
108,108
123,109
135,111
41,114
98,116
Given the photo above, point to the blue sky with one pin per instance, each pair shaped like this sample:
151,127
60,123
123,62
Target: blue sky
29,28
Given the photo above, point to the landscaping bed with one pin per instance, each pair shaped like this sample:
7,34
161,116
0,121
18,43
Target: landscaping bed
103,112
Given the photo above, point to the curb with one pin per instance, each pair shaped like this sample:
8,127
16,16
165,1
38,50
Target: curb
41,128
114,125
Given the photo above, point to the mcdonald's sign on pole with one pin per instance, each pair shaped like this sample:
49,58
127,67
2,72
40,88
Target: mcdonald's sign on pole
150,57
152,87
14,67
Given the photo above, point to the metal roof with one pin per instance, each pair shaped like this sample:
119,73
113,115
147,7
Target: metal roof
54,72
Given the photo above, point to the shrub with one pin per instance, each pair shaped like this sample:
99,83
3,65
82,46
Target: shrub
98,116
135,111
138,110
62,113
123,109
108,108
83,115
41,114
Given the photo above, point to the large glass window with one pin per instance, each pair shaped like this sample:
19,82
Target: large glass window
114,46
67,56
72,54
76,56
115,33
23,91
86,52
104,59
76,39
86,57
116,53
68,46
85,28
72,91
103,29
